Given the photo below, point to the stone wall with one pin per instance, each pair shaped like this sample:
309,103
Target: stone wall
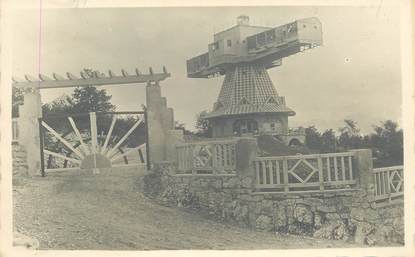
19,157
341,216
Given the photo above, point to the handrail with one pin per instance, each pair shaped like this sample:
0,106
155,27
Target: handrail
305,172
388,183
207,157
308,156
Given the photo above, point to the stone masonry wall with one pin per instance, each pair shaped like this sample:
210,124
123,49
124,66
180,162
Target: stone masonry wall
19,156
340,216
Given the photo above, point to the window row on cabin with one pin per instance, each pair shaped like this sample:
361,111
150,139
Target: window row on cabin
215,45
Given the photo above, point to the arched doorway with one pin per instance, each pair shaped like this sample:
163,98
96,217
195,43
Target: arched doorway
295,142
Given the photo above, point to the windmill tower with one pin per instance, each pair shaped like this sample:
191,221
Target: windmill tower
248,102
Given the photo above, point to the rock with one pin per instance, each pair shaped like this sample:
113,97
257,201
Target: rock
289,213
280,219
233,182
303,214
363,229
216,183
245,197
333,217
370,240
264,223
267,206
246,182
241,213
311,202
340,232
327,230
384,234
357,214
318,220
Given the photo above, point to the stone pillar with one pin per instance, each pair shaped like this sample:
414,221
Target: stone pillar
28,123
364,169
173,138
156,133
246,151
161,133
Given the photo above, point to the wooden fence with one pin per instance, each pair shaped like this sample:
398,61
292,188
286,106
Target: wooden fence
389,183
207,158
298,173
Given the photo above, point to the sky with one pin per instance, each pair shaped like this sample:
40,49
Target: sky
356,74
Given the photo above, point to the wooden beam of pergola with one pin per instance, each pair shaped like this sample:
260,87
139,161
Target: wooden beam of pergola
97,79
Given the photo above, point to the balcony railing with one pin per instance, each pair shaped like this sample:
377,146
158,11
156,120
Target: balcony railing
389,183
207,158
198,63
299,173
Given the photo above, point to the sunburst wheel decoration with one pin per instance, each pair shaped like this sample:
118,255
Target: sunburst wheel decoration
94,155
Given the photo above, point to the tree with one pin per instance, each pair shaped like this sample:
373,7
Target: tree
182,126
203,128
313,138
387,143
82,100
350,137
329,141
90,99
17,99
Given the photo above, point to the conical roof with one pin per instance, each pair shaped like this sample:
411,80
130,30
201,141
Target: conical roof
247,88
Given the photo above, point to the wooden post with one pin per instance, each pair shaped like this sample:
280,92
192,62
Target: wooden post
285,174
257,170
148,164
320,173
328,169
94,136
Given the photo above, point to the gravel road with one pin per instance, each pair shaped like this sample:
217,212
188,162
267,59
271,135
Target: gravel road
109,212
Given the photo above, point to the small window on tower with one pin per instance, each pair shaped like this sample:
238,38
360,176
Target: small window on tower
244,101
271,100
229,43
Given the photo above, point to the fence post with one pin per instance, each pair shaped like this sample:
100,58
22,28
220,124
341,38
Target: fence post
364,170
320,173
246,152
285,174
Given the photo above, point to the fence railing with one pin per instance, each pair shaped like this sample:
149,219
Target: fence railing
305,172
207,157
15,130
389,183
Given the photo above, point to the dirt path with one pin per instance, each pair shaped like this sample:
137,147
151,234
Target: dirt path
109,212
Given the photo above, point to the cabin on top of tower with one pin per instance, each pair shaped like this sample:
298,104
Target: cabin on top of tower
246,43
